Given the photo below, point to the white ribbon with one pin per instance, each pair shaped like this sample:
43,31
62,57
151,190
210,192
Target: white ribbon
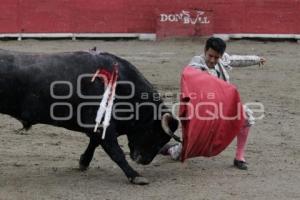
105,107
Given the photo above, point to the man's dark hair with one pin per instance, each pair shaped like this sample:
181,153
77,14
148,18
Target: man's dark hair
216,44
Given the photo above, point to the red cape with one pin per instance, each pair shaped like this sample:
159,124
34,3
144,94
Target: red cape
210,111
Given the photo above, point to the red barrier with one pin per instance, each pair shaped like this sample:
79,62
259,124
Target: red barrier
143,16
9,17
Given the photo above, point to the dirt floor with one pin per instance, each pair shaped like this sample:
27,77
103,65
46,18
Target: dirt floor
42,162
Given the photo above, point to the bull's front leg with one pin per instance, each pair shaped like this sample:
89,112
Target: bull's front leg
87,156
112,148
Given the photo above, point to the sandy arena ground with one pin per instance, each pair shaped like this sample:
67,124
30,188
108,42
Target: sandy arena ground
42,163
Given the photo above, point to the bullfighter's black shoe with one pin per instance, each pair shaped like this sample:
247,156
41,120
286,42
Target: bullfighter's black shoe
240,164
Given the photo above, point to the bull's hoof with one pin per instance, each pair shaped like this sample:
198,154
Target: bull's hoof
139,180
83,167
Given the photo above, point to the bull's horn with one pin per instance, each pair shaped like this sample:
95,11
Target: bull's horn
165,126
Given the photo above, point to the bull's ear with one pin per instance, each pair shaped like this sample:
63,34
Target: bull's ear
169,124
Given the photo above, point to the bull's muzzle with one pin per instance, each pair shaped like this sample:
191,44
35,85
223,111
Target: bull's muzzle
138,158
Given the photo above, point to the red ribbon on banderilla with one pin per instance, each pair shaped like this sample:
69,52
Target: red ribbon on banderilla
106,104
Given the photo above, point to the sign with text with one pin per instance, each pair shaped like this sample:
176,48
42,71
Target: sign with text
185,22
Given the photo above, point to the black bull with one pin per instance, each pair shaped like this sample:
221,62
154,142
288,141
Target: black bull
56,89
